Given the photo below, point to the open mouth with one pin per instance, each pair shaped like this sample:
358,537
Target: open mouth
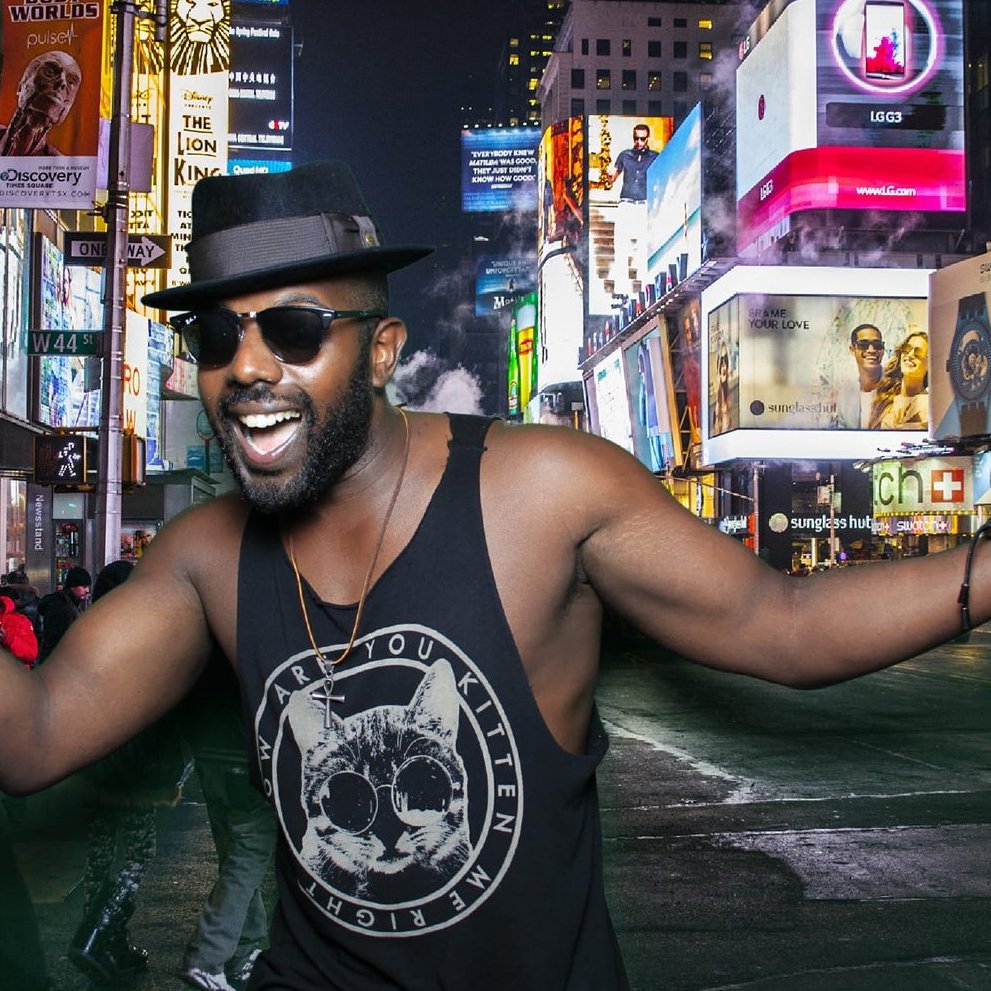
266,435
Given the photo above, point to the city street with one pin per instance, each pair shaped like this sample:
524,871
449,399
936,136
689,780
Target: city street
755,837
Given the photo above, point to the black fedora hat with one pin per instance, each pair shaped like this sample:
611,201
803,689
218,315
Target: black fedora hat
261,231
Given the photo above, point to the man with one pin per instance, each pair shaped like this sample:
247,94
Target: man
417,657
630,233
60,609
867,348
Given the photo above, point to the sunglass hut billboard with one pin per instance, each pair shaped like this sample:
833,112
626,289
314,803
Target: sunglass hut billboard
796,362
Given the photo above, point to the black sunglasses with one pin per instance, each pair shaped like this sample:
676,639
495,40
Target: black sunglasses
294,334
869,345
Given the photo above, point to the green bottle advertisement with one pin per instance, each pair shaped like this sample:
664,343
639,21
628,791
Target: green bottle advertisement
513,369
525,313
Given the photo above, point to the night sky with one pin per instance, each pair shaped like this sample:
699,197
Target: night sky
380,84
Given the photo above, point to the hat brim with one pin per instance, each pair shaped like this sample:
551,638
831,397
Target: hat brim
380,259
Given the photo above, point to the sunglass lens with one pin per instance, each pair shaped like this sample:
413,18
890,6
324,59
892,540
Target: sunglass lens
293,334
211,336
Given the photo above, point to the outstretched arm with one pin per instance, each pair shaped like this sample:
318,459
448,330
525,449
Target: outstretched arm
708,597
123,663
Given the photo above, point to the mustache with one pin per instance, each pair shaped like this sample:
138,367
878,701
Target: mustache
261,393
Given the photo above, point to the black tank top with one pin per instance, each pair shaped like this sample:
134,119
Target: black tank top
434,834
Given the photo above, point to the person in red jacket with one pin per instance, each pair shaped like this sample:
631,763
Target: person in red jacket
17,633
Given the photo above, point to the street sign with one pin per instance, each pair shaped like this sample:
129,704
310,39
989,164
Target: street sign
67,343
143,250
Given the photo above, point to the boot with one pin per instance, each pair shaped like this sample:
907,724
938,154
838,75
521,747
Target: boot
130,959
89,952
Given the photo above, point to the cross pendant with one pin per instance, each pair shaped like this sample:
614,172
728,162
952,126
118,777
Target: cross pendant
325,694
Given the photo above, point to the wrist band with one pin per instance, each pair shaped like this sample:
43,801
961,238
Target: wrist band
964,597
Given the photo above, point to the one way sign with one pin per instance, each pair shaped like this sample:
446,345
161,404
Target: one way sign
143,250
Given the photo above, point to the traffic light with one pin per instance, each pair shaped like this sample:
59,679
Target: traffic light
66,461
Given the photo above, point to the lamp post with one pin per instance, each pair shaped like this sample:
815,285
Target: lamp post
115,215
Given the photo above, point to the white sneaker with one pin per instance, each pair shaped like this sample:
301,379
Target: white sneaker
243,970
205,979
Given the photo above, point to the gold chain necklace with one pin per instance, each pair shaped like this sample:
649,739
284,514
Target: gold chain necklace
327,667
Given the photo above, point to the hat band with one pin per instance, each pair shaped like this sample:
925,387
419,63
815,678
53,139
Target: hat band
274,243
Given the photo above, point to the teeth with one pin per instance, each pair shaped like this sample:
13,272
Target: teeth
259,421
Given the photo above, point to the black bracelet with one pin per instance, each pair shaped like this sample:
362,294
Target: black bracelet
964,597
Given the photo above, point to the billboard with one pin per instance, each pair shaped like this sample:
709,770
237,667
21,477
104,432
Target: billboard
620,151
50,104
674,207
654,434
874,121
260,98
560,227
500,279
959,296
793,365
499,169
199,62
610,410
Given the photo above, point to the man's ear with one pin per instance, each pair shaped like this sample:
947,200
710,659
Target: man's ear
387,347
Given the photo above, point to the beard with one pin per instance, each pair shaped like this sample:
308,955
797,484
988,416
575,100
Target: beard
332,445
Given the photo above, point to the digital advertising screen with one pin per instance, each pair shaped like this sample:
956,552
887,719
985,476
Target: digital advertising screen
561,320
656,440
788,355
874,121
959,301
620,152
499,169
674,206
260,99
611,409
501,279
523,324
561,186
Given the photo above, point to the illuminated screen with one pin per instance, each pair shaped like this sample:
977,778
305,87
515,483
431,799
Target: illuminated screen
561,320
674,206
648,377
501,279
959,305
613,410
561,186
886,96
499,169
260,95
617,207
524,319
802,369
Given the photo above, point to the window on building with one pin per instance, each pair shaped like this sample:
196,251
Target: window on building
680,82
705,24
653,49
629,79
602,46
603,79
627,48
680,111
584,46
681,49
653,22
629,108
654,82
514,60
705,80
577,107
705,49
577,78
681,22
655,108
603,107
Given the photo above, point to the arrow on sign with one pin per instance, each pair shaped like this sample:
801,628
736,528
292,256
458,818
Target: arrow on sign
145,251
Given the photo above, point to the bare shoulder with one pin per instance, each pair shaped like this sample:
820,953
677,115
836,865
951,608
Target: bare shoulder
569,473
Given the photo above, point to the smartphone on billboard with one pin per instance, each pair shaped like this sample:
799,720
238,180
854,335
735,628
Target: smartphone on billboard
884,39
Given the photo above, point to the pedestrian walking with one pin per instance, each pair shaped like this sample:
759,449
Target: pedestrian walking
122,793
232,928
59,610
